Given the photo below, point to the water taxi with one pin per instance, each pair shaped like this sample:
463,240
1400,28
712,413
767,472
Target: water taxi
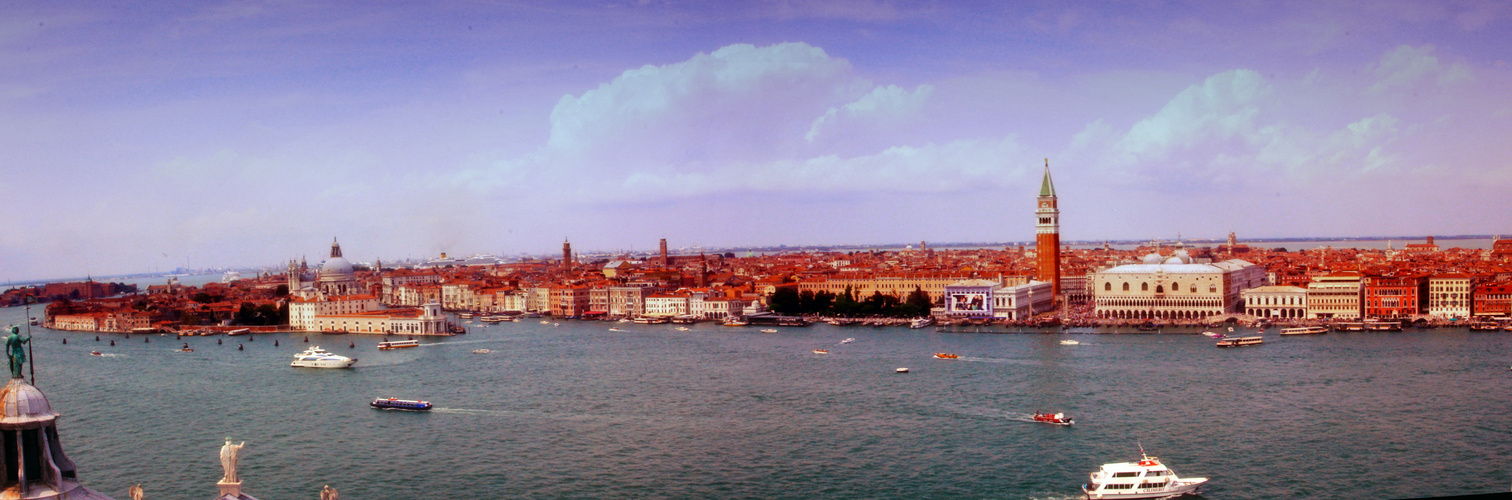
1147,478
615,329
901,370
821,351
946,355
398,344
734,321
482,351
1070,342
682,328
768,330
400,404
1305,330
1053,418
1241,341
315,357
848,340
921,323
239,331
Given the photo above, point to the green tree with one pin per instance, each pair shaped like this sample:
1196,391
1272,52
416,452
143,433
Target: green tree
785,300
281,291
246,315
845,303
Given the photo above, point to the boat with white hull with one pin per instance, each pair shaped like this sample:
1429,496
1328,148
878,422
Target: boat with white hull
315,357
1147,478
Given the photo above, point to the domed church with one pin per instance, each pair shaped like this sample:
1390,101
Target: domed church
336,275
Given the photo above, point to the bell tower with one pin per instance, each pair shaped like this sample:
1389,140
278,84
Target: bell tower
1047,234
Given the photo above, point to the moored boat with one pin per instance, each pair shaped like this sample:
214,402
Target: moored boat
1053,418
315,357
398,344
239,331
400,404
1305,330
736,321
1383,326
921,323
1240,341
1147,478
1349,326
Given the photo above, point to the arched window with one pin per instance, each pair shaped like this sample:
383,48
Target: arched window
1194,288
1144,287
1108,287
1126,287
1212,288
1175,287
1159,289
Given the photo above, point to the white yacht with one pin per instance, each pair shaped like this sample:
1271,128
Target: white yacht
315,357
1147,478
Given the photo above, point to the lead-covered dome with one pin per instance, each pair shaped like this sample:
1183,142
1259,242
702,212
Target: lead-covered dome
24,406
336,266
1153,258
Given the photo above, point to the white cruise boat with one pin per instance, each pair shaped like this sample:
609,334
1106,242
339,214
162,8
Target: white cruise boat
1147,478
315,357
921,323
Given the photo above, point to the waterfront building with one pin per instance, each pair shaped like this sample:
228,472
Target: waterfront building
1076,288
1173,287
393,280
1023,301
568,301
1449,295
1335,296
1492,299
1047,234
1276,301
1393,297
971,298
425,320
667,304
629,301
896,284
303,313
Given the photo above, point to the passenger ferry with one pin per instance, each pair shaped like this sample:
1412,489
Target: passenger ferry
400,404
651,320
1383,326
1349,326
398,344
736,321
1147,478
921,323
1305,330
1239,342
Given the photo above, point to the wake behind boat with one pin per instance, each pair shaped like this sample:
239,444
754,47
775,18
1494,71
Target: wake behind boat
1147,478
400,404
315,357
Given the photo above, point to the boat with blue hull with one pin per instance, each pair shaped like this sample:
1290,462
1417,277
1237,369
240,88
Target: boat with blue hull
400,404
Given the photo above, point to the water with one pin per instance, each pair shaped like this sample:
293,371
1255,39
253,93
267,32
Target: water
578,411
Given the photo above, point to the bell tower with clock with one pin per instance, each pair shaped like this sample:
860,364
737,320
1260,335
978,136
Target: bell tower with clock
1047,234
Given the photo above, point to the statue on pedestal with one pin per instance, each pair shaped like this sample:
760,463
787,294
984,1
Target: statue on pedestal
228,460
13,343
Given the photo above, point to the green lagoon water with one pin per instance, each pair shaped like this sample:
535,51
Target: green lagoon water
579,411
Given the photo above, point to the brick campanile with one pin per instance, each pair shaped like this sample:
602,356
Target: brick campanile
1047,234
566,256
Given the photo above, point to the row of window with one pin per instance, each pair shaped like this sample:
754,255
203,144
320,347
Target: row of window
1145,287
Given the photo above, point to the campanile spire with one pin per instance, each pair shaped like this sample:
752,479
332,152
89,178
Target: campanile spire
1047,234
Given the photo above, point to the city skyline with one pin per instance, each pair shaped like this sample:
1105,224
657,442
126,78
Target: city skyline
252,133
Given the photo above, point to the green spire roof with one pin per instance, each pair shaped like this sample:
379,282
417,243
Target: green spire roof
1047,188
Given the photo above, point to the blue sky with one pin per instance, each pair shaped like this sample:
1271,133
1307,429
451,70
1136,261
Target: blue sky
136,137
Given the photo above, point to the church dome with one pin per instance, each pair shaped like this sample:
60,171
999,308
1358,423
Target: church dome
336,266
1153,258
24,406
1174,260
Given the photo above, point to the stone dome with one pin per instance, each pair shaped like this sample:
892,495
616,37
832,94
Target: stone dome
24,406
1153,258
336,266
1174,260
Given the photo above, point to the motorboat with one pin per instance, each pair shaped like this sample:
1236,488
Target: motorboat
651,320
239,331
1215,335
1070,342
1147,478
1053,418
821,351
848,340
901,370
96,353
315,357
921,323
397,344
186,349
615,330
400,404
482,351
1240,341
1305,330
946,355
544,322
682,328
768,330
735,321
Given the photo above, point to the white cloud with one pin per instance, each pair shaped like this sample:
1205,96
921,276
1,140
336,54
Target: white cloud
885,104
1408,66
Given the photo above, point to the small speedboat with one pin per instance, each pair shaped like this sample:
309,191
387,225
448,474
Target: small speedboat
1053,418
96,353
821,351
682,328
400,404
482,351
615,330
901,370
1215,335
1070,342
768,330
946,355
186,349
544,322
848,340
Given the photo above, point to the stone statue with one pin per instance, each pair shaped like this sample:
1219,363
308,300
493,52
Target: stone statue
328,493
13,347
228,460
135,492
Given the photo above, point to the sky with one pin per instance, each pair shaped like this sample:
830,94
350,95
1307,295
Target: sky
144,136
